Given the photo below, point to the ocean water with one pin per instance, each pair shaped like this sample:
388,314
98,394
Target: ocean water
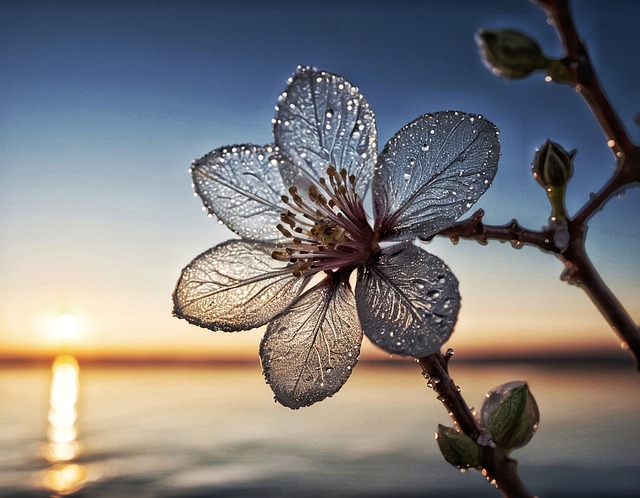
181,431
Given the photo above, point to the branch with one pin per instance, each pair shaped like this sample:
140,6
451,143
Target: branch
567,243
581,272
474,228
499,469
583,75
627,173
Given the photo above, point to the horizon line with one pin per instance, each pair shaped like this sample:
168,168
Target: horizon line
556,358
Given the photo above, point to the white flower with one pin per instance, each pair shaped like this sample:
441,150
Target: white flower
297,206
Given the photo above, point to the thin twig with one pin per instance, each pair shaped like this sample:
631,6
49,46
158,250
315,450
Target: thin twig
580,271
583,74
498,468
578,268
475,228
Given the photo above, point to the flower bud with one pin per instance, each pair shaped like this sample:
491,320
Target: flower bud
552,165
552,168
510,414
457,448
509,53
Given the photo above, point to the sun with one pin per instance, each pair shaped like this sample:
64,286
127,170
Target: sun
66,326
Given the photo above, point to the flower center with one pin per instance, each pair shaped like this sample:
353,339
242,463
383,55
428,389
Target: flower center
329,230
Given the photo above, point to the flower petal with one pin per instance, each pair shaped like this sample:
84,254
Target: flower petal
240,186
321,120
236,285
407,301
432,171
309,351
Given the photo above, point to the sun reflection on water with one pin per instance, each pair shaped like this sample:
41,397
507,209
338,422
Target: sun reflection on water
64,476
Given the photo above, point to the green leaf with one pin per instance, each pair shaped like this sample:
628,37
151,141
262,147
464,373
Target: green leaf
457,448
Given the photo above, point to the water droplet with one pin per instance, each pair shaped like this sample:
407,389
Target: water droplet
432,382
425,147
433,294
620,195
407,176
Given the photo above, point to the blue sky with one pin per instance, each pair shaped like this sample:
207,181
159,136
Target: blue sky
104,104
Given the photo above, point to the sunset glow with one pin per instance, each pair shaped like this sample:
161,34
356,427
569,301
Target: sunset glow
66,326
92,270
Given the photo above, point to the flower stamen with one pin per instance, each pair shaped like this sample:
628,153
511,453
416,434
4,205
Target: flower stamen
328,228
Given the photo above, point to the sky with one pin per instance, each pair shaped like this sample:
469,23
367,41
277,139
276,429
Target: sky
104,104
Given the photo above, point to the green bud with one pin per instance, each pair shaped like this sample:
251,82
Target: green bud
511,415
552,168
457,448
510,54
552,165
